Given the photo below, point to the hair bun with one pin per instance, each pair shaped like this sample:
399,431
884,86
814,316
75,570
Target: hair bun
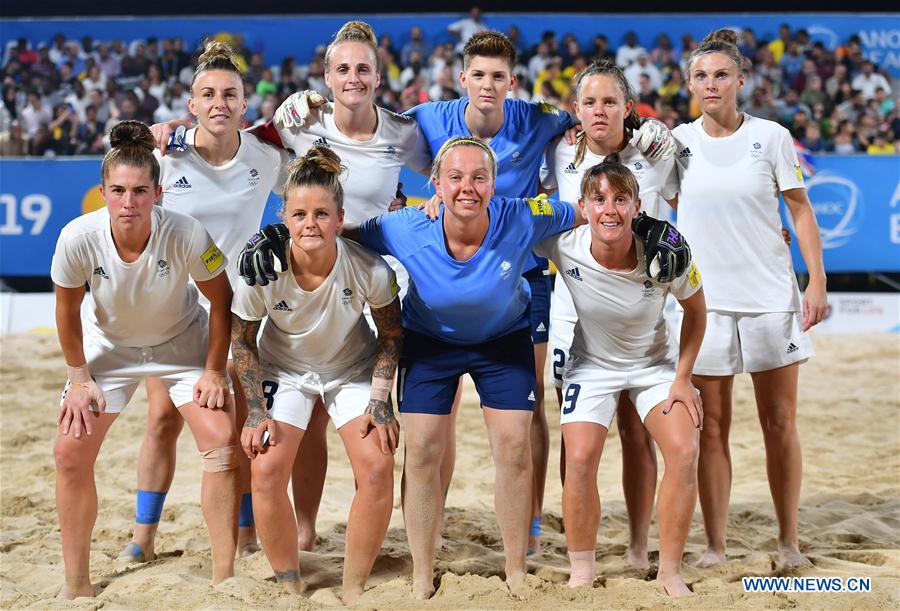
131,133
356,30
722,35
216,50
323,158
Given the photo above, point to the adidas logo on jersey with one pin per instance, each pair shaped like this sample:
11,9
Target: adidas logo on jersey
163,268
684,154
99,271
792,347
531,396
541,328
321,142
574,273
182,183
571,169
282,306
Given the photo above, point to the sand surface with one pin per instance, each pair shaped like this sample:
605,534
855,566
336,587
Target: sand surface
849,518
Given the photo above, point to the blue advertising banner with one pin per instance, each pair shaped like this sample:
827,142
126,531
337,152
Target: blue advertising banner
856,198
281,36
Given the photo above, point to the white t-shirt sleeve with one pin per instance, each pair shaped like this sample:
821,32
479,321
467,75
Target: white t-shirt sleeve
383,288
67,268
685,286
206,261
788,174
670,181
248,302
420,156
548,168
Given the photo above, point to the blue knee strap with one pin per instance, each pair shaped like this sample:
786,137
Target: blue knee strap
149,506
536,526
246,515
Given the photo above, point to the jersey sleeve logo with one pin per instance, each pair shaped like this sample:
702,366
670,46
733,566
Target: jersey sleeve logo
548,108
213,258
395,288
540,205
694,276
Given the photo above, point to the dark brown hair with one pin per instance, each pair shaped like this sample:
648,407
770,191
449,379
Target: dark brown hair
132,145
618,175
320,167
489,43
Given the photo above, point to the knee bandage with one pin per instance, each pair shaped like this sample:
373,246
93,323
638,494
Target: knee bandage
218,460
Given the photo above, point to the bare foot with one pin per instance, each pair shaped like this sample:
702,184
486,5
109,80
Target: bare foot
76,587
580,582
246,541
349,596
516,585
709,559
637,557
790,557
134,552
294,587
673,585
423,588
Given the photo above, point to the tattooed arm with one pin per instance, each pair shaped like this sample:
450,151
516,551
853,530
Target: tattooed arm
379,412
245,355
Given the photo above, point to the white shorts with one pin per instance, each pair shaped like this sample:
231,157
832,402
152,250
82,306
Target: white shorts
118,370
291,396
737,343
591,393
562,332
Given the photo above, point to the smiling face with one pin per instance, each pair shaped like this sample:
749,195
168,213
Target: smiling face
312,218
609,209
352,74
217,100
487,80
715,82
130,194
466,181
601,107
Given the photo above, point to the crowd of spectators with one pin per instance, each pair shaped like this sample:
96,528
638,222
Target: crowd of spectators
61,97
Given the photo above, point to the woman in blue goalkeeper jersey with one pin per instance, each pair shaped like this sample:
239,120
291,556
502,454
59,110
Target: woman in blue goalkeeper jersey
466,311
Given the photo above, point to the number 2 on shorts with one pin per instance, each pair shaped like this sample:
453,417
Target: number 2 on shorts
570,398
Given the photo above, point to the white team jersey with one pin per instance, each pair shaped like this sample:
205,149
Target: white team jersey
620,314
228,200
372,166
149,301
657,180
728,210
323,330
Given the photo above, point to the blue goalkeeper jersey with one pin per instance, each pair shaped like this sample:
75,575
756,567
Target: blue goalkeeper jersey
472,301
527,129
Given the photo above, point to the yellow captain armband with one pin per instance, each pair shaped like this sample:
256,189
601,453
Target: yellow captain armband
213,258
395,288
548,108
799,171
540,205
694,276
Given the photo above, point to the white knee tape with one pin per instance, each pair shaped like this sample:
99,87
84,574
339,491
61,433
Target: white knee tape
218,460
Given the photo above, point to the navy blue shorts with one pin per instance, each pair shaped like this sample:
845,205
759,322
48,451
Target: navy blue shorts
502,368
539,281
